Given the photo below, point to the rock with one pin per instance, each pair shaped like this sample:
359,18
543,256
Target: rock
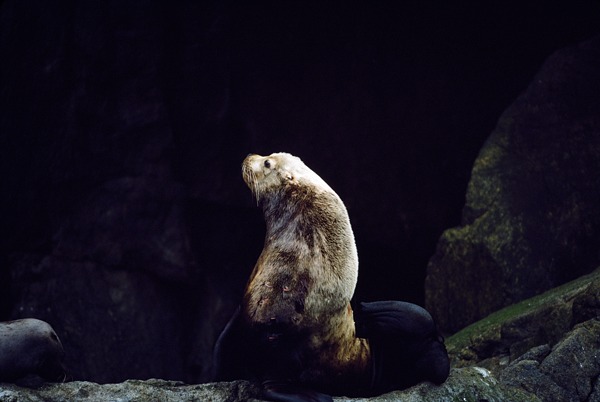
466,384
526,328
463,384
574,363
531,220
568,373
540,345
132,390
526,374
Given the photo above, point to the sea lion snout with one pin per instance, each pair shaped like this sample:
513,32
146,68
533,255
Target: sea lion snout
281,316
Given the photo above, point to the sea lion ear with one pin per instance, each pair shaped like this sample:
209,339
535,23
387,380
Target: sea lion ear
287,175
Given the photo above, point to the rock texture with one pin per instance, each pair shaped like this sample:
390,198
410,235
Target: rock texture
546,319
569,372
132,390
532,215
548,345
471,384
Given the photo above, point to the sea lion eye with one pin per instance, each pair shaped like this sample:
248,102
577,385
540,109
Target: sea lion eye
267,164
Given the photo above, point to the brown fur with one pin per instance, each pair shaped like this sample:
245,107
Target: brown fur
302,283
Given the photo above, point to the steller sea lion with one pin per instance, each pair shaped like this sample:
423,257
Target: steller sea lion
295,327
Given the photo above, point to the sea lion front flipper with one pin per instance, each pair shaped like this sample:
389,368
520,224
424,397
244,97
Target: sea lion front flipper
283,391
405,343
228,354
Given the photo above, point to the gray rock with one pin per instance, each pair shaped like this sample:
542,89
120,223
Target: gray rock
532,215
526,375
471,384
130,391
568,373
526,330
540,345
467,384
574,363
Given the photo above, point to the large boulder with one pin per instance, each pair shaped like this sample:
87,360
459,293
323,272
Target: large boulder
532,215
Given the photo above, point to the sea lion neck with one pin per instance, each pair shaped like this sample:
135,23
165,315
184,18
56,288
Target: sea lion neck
281,207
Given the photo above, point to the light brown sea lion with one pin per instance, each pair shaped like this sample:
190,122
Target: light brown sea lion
295,324
304,279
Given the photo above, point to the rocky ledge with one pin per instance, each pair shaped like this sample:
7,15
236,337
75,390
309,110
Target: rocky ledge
546,348
464,384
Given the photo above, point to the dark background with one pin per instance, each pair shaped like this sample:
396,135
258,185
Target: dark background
123,126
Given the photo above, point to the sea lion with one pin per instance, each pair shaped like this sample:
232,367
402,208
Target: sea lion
30,347
295,327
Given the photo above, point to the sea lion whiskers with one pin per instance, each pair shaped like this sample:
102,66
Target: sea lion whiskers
252,181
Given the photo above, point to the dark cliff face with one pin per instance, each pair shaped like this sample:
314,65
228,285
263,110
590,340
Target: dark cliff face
125,221
532,218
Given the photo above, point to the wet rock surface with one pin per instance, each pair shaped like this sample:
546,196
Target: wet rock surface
463,384
532,215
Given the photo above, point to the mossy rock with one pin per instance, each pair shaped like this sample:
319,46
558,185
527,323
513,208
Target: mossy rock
531,220
544,319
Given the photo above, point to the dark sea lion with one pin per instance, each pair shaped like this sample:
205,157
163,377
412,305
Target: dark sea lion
295,327
30,347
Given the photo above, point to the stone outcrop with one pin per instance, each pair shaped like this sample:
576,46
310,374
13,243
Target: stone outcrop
548,345
532,215
567,372
471,384
545,319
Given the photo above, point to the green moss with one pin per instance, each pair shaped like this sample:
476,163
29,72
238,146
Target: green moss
489,327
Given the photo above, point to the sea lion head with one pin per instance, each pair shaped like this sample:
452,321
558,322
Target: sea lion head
267,174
